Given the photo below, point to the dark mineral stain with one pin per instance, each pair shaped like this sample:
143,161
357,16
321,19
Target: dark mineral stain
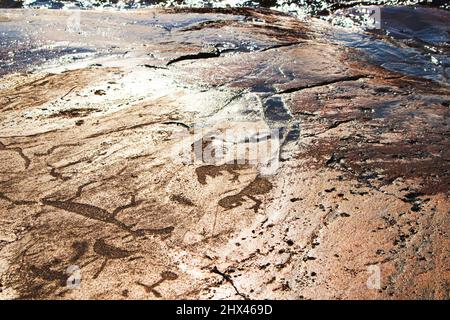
74,113
182,200
425,160
99,92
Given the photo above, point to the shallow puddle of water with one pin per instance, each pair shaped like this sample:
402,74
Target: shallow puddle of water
275,109
412,41
427,25
21,59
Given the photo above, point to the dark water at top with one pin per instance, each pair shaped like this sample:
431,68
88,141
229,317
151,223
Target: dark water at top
411,40
313,7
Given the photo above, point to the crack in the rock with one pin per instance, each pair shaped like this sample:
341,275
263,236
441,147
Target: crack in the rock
337,123
334,125
68,92
238,95
230,280
281,45
201,55
178,123
324,83
150,66
217,52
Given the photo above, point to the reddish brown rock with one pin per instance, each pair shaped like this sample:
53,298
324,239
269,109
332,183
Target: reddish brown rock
89,182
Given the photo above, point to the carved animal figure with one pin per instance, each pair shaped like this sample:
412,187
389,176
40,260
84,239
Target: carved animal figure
256,187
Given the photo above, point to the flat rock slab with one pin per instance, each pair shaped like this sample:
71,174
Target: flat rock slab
96,203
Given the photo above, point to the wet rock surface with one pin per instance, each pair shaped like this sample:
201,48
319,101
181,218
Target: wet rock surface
88,177
409,40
